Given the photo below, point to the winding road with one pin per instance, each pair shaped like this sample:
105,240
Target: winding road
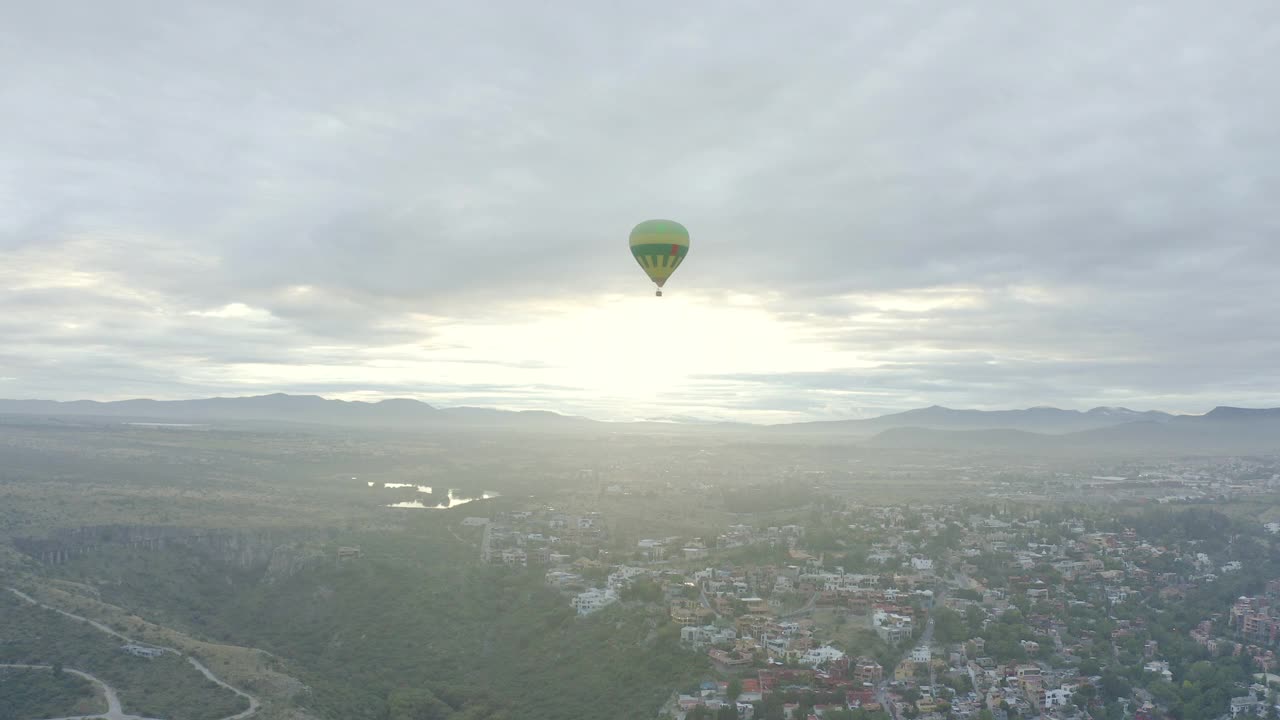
114,711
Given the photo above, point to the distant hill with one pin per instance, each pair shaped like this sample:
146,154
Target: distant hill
1036,419
280,407
1037,429
1224,430
909,438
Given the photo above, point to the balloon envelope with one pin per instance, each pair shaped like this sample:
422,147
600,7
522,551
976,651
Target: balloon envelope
659,246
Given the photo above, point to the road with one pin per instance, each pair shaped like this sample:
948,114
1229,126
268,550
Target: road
702,593
114,711
882,697
253,702
927,640
111,694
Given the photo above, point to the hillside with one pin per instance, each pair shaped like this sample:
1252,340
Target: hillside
1225,430
414,622
1037,419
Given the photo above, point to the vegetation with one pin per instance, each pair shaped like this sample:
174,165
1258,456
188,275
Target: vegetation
166,686
30,694
416,629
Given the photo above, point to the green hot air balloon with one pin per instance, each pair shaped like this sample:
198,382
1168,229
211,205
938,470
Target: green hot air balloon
659,246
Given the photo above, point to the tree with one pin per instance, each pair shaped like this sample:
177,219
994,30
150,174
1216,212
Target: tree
57,669
416,704
734,690
948,626
770,708
1114,686
973,617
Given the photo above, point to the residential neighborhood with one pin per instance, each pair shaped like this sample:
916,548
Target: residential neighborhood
985,609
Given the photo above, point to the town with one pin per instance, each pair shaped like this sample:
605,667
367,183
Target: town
985,609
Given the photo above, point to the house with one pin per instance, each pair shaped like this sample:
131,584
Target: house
818,656
1159,668
868,671
348,552
592,600
891,627
700,637
560,579
475,522
1247,705
1056,698
142,651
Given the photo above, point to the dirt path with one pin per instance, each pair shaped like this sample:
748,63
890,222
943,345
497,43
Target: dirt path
113,701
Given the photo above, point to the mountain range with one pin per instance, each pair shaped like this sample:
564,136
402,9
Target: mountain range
1036,419
1036,429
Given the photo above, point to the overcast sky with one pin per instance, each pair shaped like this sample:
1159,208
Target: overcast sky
977,204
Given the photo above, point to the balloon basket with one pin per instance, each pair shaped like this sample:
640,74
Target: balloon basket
658,293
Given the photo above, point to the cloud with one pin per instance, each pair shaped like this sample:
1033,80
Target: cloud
986,203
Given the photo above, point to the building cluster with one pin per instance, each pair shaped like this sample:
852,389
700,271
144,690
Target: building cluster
938,612
544,537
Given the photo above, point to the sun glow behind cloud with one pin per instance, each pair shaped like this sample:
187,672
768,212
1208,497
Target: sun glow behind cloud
617,356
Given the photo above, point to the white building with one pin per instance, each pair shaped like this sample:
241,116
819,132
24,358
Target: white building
700,637
592,600
1159,667
556,578
817,656
922,565
1056,698
891,627
921,654
623,575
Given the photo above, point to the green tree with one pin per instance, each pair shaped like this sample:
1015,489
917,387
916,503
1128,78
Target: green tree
734,690
416,704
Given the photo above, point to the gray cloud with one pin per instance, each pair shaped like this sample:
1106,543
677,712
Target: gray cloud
1101,176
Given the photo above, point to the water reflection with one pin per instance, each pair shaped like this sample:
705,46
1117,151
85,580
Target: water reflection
455,498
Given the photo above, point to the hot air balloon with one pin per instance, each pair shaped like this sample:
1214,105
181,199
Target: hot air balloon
659,246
